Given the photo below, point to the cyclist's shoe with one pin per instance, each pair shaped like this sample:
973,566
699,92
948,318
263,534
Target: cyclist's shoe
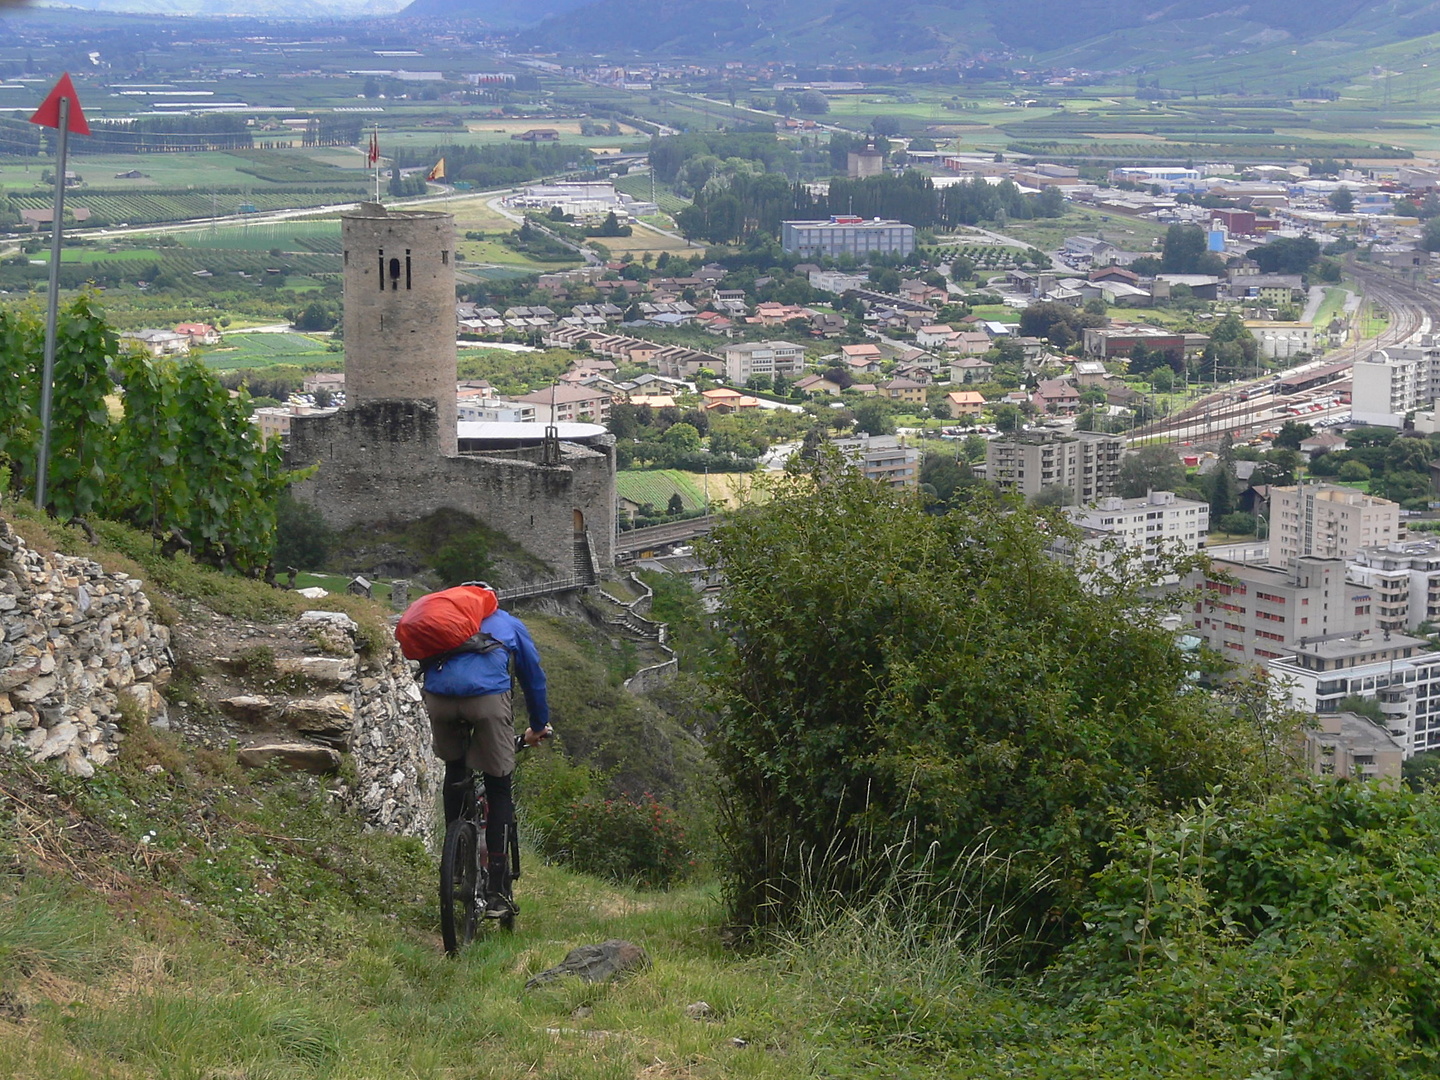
499,901
500,905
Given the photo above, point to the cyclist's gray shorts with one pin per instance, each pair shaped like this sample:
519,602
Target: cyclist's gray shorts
480,729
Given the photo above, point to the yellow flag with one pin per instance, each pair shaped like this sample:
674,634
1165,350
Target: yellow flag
438,172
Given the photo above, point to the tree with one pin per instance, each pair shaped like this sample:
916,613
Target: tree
302,539
963,687
1223,497
1407,454
1162,380
1353,472
1150,468
1007,417
873,416
1277,467
675,506
1292,433
887,125
813,102
1237,524
1421,771
1342,200
1053,495
682,437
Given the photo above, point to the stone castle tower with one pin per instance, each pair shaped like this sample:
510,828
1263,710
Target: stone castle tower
394,453
399,306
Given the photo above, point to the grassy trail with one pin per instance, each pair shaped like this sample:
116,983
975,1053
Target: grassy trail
288,944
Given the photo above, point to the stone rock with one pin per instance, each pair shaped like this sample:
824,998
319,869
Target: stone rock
58,740
605,962
330,618
303,757
317,669
328,719
253,709
145,698
314,592
699,1010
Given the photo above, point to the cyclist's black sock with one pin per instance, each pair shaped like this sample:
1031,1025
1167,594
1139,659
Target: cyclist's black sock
501,800
456,774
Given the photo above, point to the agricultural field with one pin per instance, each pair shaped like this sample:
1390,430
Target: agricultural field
656,486
638,185
985,256
1127,233
262,350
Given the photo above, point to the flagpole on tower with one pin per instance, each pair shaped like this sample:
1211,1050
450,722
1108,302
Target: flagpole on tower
55,111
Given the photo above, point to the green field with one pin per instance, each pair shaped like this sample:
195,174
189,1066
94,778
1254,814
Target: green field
656,486
267,350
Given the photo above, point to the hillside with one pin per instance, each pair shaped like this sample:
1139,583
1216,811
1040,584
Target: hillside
914,31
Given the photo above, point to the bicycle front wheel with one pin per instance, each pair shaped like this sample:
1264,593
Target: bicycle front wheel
459,885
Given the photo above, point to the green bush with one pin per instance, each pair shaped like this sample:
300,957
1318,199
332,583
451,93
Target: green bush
627,840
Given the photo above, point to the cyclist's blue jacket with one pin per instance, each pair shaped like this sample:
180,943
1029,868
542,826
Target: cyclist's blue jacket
470,674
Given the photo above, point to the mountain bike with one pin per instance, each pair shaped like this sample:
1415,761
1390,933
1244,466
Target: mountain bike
464,873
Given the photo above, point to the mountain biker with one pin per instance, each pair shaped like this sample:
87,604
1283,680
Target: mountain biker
467,695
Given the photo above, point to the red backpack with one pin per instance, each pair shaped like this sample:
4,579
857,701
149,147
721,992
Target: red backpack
442,622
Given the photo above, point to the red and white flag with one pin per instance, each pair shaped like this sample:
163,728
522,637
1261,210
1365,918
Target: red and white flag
373,157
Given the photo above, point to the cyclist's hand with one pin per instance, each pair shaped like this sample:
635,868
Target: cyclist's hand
534,738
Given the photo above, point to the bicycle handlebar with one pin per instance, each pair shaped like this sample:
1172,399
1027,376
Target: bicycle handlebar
521,744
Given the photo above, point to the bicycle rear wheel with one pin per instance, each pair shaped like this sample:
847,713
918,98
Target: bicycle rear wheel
459,885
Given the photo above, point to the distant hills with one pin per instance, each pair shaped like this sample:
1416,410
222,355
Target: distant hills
502,14
1105,34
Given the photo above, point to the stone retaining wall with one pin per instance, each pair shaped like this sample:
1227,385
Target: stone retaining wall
76,642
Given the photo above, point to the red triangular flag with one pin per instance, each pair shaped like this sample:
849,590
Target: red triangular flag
48,115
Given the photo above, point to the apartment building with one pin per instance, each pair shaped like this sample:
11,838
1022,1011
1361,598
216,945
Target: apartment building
882,458
1396,381
847,235
1400,673
768,358
1155,524
1027,462
1353,747
1263,611
1405,578
1328,522
567,404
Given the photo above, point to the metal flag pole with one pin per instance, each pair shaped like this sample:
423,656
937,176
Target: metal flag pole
52,306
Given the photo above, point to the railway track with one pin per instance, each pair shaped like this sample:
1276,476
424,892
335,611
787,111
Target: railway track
1413,308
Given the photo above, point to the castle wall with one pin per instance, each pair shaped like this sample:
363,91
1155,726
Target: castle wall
382,461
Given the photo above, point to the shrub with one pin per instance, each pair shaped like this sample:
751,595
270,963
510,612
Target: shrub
624,839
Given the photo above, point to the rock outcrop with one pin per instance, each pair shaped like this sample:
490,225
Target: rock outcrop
79,645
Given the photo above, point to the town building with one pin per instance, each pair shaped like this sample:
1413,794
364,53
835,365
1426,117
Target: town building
1349,746
1115,342
1328,522
882,458
763,358
1156,524
847,235
1392,382
1405,580
1028,462
157,343
1282,340
274,420
1254,614
496,410
568,404
1399,672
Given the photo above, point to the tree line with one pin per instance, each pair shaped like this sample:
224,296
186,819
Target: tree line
742,206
